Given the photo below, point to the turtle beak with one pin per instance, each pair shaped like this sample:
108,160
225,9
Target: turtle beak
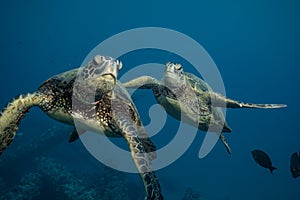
111,71
108,70
111,74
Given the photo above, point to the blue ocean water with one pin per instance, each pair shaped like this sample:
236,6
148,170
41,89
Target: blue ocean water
255,45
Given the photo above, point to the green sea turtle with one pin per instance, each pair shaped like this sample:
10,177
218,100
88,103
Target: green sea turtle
111,112
188,98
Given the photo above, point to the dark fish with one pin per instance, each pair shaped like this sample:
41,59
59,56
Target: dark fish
263,159
295,164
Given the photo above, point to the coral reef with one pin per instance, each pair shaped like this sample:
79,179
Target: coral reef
67,185
48,177
109,185
29,188
42,142
2,185
116,187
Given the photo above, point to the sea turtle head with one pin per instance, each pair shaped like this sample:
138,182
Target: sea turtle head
101,71
97,78
102,67
174,75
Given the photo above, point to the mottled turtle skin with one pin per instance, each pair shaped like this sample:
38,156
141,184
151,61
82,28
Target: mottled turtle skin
111,112
188,98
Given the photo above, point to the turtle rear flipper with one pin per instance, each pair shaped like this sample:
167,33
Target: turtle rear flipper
11,116
224,141
218,100
74,136
141,158
272,168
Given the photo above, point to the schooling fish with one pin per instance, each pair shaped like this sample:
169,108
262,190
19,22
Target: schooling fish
263,159
295,164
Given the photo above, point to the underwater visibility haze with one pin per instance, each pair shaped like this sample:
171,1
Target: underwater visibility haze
254,44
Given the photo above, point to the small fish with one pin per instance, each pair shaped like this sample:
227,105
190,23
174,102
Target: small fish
263,159
295,164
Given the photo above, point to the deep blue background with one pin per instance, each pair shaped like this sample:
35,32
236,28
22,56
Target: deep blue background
255,44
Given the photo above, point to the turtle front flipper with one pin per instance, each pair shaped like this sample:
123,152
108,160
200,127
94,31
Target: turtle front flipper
142,82
150,148
218,100
11,116
141,158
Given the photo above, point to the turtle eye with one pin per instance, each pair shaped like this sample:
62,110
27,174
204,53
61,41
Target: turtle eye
119,65
98,60
169,64
178,67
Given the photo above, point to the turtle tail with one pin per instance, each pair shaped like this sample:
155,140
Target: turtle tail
11,116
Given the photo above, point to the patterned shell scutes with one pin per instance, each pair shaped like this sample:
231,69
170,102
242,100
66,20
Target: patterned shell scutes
59,89
198,84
